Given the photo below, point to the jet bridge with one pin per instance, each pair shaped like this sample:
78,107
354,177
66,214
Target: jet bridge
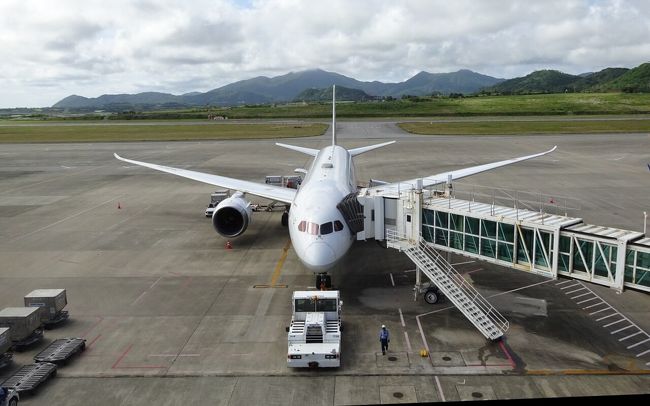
421,221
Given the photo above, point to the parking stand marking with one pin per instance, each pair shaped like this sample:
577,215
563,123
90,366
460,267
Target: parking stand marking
621,325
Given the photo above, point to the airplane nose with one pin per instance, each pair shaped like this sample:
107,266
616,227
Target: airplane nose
319,256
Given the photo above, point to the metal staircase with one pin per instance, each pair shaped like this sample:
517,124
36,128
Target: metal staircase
474,306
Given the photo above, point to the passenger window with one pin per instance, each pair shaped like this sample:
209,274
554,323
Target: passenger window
338,226
326,228
302,226
313,229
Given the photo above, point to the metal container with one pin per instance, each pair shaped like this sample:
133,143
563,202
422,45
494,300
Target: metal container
5,340
22,321
51,300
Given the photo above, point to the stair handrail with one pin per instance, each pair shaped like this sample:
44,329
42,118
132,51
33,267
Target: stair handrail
461,283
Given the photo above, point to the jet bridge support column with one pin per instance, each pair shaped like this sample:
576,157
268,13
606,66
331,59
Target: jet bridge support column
418,283
409,213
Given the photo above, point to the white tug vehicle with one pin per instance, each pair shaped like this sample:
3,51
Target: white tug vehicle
315,330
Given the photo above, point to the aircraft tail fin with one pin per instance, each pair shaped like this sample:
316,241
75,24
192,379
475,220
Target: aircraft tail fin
333,116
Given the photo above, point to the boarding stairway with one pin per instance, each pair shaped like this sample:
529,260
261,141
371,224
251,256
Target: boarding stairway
456,288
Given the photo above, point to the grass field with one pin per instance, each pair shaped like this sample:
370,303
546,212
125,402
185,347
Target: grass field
543,104
167,132
527,127
565,104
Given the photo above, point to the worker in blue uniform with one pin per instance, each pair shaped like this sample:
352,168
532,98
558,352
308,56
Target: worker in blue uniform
384,338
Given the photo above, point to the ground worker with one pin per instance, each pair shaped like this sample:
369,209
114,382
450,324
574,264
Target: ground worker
384,338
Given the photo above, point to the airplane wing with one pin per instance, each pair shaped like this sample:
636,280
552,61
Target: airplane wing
394,188
271,192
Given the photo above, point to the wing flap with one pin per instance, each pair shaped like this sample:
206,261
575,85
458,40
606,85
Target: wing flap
271,192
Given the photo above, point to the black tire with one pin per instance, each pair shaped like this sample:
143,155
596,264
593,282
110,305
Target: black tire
13,402
285,219
431,296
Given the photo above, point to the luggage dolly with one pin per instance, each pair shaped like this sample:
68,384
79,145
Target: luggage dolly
29,377
58,319
5,359
61,350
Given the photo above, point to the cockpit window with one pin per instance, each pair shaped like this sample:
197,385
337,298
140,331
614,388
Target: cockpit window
313,229
326,228
338,226
302,226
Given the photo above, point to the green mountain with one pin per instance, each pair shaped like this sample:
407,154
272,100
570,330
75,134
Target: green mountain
596,81
541,81
634,80
325,94
284,88
552,81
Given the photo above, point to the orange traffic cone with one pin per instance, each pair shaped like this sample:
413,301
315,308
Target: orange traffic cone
228,245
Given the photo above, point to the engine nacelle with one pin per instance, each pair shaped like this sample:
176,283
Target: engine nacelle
232,216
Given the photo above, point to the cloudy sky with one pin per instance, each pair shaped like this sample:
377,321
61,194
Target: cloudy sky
50,50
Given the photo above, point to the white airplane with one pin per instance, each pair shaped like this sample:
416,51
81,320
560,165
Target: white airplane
319,232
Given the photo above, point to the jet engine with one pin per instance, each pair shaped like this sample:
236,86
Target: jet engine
232,216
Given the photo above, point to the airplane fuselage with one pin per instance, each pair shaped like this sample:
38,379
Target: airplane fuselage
317,228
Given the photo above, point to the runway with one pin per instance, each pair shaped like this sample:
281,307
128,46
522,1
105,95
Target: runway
172,317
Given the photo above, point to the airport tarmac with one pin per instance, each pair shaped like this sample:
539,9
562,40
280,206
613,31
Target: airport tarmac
172,316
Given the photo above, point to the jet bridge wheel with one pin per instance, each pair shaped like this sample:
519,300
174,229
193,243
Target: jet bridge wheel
431,296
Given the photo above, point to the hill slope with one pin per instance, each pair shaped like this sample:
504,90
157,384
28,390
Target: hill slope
325,94
634,80
287,87
551,81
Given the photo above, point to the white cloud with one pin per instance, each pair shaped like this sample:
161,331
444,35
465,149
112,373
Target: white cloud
50,50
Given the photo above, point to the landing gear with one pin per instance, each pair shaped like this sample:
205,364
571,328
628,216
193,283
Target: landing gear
323,281
431,296
285,219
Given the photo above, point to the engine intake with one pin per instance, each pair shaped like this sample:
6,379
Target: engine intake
232,216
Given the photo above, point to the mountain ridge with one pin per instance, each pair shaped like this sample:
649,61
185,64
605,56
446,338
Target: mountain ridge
285,88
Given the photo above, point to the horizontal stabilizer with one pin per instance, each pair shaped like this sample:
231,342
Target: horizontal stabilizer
308,151
361,150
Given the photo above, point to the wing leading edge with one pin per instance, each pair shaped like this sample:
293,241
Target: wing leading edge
271,192
393,188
